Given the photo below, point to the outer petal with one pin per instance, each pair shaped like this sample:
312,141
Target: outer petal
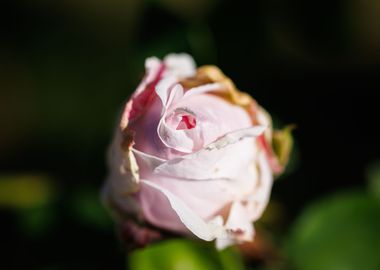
207,198
259,198
152,70
205,230
124,177
241,217
180,65
214,176
238,225
123,163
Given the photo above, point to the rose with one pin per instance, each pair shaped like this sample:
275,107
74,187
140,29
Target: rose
192,154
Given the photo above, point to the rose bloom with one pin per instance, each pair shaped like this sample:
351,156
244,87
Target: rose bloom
192,154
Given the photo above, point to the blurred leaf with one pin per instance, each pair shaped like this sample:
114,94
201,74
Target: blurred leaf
231,259
189,9
32,197
202,44
26,191
340,232
184,255
87,208
373,177
37,221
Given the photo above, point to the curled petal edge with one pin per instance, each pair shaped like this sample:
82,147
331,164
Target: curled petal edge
277,149
179,166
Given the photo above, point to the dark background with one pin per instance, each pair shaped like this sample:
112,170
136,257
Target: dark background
67,67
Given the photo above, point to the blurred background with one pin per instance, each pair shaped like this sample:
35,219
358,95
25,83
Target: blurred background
67,67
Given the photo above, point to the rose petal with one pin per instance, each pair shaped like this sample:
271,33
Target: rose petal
239,223
147,162
180,140
259,199
166,90
205,230
215,193
123,179
152,68
122,163
239,226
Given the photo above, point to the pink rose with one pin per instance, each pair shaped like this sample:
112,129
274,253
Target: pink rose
192,154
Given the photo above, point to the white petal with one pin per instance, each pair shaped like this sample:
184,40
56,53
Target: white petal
239,220
222,243
239,226
207,231
259,199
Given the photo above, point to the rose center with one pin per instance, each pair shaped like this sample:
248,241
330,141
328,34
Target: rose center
187,122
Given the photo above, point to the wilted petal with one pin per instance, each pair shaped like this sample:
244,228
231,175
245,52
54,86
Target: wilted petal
122,163
123,179
239,227
259,198
238,222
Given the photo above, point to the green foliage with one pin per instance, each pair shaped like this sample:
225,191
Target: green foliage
373,177
340,232
283,144
87,209
26,191
31,197
184,255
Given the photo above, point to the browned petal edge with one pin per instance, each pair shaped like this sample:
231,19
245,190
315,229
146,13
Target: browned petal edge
212,74
278,146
